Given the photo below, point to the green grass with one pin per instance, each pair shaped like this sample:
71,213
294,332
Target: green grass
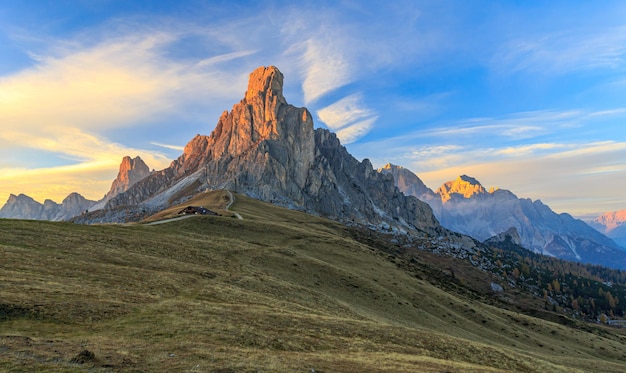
280,291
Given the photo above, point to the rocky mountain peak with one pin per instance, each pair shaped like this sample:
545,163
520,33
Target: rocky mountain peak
611,220
269,150
265,82
464,186
408,183
131,171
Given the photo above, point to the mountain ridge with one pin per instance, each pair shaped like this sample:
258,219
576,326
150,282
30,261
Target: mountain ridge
21,206
464,205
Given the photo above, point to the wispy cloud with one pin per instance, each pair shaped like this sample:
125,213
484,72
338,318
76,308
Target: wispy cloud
565,51
343,112
325,69
349,117
171,147
355,131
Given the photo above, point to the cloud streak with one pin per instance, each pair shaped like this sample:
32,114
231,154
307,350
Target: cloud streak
565,51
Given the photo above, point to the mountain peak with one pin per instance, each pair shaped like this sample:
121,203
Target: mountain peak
265,82
408,183
464,186
131,171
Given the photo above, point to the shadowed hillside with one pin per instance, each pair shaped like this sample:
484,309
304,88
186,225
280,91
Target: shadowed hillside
279,290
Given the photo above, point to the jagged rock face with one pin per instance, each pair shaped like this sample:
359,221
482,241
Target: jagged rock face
74,204
407,181
464,205
348,190
267,148
21,207
24,207
131,171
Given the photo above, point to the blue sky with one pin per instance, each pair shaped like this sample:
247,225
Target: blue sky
522,95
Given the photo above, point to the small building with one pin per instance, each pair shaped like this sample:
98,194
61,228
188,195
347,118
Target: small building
196,210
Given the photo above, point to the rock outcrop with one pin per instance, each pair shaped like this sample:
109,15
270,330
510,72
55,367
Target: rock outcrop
268,149
509,236
131,171
464,205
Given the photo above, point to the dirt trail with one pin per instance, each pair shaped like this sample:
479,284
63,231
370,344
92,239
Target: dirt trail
232,199
170,220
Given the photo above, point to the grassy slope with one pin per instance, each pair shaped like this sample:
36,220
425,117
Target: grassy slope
277,291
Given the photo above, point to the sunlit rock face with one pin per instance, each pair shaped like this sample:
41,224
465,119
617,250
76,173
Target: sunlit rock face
268,149
613,224
464,205
463,187
131,171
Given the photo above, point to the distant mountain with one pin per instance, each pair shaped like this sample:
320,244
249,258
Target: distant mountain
24,207
268,149
465,206
612,224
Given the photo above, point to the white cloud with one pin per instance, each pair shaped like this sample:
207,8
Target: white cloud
355,131
344,112
349,118
325,69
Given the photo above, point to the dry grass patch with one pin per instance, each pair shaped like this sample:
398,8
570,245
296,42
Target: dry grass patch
277,291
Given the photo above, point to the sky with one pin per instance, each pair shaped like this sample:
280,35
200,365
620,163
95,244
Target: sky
521,95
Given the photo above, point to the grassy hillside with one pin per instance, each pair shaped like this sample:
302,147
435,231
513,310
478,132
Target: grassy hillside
279,291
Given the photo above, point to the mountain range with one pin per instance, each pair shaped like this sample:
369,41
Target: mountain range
464,205
268,149
24,207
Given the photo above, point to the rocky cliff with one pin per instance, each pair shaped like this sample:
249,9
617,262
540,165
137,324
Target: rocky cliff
131,171
268,149
464,205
